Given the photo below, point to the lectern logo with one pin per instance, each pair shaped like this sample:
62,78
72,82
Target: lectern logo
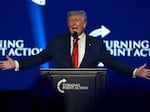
62,86
59,85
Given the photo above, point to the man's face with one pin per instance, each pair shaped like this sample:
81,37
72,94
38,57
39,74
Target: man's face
76,23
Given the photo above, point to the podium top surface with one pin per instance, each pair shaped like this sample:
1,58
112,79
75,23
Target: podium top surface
73,69
66,71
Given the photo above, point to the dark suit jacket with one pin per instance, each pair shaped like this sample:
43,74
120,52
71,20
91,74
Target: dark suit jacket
59,50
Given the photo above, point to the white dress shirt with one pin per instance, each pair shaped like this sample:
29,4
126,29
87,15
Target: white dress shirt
81,46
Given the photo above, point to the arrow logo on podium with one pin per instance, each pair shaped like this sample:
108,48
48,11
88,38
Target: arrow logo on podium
59,85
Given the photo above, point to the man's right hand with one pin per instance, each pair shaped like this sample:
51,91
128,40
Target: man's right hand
7,64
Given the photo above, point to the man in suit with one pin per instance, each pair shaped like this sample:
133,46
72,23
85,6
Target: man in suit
91,51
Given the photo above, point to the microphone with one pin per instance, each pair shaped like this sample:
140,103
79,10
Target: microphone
75,34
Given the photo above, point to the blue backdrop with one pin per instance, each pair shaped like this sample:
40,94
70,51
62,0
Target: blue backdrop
26,28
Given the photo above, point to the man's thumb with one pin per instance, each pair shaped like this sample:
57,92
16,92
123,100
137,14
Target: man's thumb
8,57
143,66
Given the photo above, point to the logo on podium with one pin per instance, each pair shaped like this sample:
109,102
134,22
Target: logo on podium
62,86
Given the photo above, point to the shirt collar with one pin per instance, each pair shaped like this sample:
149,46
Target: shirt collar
82,35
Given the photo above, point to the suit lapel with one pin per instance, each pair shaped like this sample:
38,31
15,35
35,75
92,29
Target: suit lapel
67,52
87,51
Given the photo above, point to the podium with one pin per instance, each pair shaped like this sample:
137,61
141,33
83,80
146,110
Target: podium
81,89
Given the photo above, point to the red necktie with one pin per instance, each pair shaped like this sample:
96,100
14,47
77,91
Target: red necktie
75,53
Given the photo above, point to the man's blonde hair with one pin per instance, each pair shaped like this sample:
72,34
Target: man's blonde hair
79,12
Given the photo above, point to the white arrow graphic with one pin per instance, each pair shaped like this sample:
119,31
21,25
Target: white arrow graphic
103,31
39,2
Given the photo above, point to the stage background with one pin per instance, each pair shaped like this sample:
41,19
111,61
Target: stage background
30,25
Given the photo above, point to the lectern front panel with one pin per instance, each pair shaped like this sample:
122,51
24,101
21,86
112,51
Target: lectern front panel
80,89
